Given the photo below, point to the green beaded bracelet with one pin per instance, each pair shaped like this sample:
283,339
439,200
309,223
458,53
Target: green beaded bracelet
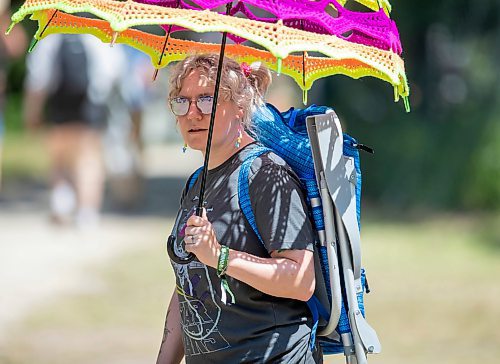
223,261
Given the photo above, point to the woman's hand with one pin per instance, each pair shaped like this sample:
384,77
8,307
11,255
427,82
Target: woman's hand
200,240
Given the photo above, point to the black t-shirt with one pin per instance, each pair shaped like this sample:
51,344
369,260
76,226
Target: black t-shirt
258,327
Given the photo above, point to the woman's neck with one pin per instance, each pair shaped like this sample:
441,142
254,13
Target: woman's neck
221,154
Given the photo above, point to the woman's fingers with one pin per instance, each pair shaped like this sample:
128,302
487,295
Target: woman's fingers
191,240
195,220
200,239
196,230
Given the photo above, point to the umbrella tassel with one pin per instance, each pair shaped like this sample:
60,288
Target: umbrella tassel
396,94
278,65
10,28
406,100
304,60
33,43
304,91
113,39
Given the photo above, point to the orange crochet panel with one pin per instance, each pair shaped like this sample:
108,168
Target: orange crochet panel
279,41
162,53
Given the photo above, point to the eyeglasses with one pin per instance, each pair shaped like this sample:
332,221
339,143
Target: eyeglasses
180,105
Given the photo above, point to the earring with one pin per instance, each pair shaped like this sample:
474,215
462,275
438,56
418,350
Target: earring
184,148
238,140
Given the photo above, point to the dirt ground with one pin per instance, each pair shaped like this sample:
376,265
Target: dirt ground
40,261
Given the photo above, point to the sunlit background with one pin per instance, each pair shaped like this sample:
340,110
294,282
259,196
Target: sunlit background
91,285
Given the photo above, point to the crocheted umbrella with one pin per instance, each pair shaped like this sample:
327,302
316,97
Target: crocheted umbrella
353,43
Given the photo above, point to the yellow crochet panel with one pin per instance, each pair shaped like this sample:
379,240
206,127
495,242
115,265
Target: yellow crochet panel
162,54
342,57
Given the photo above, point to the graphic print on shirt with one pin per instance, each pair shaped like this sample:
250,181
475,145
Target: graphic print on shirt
196,292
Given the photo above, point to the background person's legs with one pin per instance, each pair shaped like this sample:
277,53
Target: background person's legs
62,198
77,173
89,176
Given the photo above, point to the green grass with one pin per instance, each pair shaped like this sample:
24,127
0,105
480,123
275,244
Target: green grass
434,292
24,156
435,299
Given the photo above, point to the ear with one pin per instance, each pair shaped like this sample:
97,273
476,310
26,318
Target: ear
239,113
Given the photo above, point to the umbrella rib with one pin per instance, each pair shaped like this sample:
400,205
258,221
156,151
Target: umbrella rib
164,47
35,40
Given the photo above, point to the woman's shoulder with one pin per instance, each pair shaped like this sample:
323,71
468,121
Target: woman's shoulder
269,164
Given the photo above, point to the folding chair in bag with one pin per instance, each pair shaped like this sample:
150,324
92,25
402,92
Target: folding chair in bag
327,162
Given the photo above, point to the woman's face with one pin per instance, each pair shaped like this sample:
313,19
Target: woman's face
194,125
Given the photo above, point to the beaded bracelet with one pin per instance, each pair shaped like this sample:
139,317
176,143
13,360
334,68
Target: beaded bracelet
221,273
223,261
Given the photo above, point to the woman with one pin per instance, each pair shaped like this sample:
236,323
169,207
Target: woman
269,320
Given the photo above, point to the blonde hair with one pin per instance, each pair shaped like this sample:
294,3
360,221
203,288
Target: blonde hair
245,91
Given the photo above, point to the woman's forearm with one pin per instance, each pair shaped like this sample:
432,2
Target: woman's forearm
171,349
287,274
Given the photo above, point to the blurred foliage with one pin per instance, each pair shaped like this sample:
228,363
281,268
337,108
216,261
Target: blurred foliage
445,153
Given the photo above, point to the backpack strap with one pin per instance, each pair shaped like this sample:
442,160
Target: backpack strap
313,303
244,188
192,179
350,149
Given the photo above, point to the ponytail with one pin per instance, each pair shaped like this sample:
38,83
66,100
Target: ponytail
260,79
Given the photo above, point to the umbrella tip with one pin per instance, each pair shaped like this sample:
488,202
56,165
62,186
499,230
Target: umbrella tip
406,100
304,97
396,94
33,43
113,39
155,74
10,28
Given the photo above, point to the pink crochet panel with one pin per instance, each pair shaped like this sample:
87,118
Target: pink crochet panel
368,28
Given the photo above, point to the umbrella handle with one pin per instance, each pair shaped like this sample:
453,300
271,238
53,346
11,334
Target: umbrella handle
171,253
170,246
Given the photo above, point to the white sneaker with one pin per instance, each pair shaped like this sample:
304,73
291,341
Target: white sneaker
62,201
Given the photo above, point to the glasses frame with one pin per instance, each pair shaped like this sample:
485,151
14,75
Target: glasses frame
196,99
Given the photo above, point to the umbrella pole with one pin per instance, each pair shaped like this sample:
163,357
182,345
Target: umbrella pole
212,118
171,239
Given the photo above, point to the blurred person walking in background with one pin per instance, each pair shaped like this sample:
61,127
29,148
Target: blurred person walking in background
124,144
11,46
72,76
